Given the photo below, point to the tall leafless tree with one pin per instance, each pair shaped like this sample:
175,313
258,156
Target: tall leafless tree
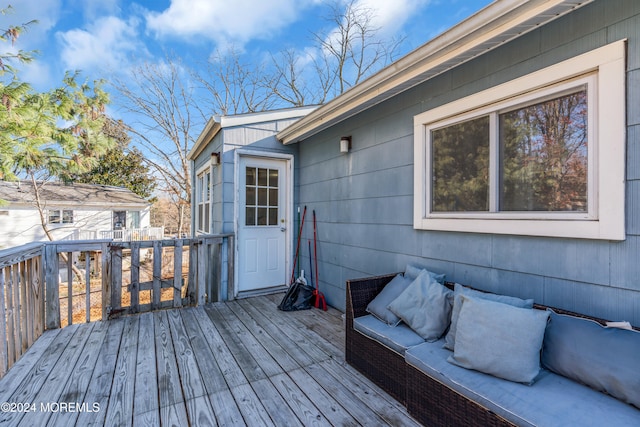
163,101
340,58
235,86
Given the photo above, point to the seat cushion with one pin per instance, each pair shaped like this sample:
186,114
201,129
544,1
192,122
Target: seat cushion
551,401
398,338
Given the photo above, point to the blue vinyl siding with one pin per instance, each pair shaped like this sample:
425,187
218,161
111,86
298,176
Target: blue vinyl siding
364,199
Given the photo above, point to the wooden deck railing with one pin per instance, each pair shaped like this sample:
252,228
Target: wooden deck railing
21,302
54,284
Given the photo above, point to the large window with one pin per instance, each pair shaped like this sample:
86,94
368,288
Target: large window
541,155
203,200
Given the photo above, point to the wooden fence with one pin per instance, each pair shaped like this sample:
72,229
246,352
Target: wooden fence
54,284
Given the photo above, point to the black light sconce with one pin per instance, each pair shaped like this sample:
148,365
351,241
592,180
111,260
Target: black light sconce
215,159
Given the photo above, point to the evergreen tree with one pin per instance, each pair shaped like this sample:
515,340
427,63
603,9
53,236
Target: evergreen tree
120,166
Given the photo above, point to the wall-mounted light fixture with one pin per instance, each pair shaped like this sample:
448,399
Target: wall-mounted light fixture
345,144
215,159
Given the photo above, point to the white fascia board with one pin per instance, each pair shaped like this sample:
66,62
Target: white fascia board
492,26
265,116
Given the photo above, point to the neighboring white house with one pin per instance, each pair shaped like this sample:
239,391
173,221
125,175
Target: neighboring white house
72,212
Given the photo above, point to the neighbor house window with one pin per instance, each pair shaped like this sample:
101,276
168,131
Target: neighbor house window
60,216
203,201
541,155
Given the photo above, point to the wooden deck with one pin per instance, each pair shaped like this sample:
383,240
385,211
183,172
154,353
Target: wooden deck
233,363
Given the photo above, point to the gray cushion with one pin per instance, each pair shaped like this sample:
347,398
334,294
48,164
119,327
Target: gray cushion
398,338
553,401
378,306
460,290
607,359
499,339
425,306
413,271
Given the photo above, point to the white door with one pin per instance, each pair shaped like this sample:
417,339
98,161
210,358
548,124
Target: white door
262,223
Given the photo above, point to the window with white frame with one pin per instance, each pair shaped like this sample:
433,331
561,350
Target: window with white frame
60,216
541,155
203,200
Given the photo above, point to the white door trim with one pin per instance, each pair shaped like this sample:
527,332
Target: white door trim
288,203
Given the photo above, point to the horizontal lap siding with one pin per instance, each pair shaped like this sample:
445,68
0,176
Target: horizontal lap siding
364,199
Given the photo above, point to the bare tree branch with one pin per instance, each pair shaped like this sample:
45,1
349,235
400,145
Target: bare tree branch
168,114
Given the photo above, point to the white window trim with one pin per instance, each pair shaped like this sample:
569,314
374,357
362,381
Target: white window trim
61,214
207,168
606,218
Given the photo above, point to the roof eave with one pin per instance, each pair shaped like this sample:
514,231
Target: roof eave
209,132
492,26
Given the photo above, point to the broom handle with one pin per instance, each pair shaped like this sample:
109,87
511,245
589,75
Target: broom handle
293,270
315,248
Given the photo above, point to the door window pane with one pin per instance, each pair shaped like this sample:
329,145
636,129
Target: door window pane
273,178
261,198
460,165
262,177
251,176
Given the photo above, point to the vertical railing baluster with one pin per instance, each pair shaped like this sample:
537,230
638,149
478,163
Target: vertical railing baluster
4,351
17,321
157,274
106,280
87,282
69,288
135,277
52,285
177,273
116,279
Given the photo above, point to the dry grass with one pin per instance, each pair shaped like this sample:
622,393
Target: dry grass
79,289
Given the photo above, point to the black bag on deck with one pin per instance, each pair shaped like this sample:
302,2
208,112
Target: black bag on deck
298,297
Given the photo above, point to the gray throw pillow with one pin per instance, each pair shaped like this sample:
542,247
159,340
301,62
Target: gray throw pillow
425,306
412,272
499,339
459,290
378,306
607,359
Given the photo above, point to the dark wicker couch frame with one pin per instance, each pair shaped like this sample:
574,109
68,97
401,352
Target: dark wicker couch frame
429,401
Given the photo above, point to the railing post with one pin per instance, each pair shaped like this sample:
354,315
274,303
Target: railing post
52,308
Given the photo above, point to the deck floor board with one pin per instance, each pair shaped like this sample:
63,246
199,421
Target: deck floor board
237,363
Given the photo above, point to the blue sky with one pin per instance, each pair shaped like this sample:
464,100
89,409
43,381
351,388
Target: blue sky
107,38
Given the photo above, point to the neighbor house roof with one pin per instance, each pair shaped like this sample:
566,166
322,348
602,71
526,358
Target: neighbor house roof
496,24
54,193
216,123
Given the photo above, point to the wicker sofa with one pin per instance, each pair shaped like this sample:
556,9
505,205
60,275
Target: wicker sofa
434,399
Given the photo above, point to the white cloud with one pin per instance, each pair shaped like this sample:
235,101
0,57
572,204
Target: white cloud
390,16
108,44
224,21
